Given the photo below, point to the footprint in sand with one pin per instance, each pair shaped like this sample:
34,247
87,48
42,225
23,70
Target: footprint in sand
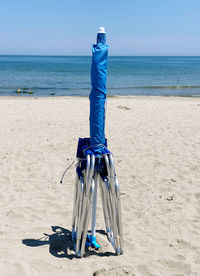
124,107
117,271
197,195
178,266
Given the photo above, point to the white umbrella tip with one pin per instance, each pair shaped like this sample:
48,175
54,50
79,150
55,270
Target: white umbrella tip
102,30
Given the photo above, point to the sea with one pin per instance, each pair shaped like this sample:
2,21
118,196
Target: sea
45,76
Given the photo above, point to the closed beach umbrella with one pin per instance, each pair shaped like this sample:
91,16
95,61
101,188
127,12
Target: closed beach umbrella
98,92
96,166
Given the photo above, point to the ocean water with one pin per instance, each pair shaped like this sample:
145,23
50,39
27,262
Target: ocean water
70,75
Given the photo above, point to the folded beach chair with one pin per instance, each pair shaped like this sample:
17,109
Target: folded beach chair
96,167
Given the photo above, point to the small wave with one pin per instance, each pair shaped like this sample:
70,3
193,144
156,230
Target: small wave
109,88
44,88
171,87
157,87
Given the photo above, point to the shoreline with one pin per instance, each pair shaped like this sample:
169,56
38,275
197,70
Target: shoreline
108,97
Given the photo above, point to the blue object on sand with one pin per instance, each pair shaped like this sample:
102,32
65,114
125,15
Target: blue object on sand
95,167
98,94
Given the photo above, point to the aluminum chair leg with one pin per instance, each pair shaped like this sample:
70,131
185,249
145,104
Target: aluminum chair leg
119,221
117,204
94,207
112,200
85,230
84,203
80,205
104,204
74,208
92,238
86,194
80,211
88,206
114,207
108,211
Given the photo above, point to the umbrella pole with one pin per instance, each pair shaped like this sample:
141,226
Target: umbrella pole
94,208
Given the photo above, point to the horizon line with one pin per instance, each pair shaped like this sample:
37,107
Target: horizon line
56,55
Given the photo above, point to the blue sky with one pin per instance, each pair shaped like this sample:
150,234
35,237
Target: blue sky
68,27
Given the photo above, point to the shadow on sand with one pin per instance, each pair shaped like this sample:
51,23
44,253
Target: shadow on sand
61,245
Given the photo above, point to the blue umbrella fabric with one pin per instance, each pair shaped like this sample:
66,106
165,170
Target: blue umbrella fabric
98,93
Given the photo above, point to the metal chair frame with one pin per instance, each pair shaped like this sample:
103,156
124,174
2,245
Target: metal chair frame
85,201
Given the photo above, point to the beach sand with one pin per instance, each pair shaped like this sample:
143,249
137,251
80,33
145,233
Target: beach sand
156,146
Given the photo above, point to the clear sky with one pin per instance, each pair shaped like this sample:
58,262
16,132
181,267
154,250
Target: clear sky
68,27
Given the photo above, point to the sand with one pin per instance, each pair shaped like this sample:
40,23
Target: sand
156,146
